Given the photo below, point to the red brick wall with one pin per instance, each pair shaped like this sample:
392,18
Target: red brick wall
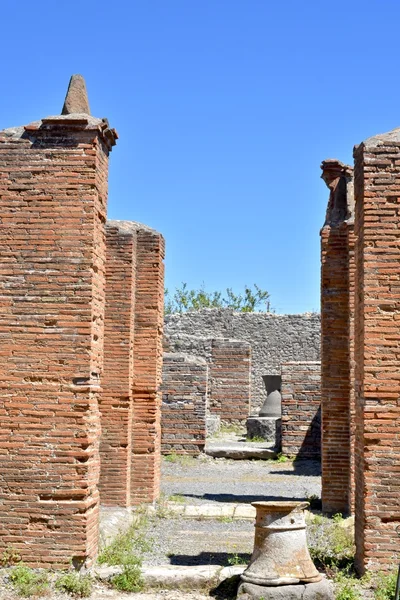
301,409
147,356
377,340
230,372
336,330
53,197
184,396
116,399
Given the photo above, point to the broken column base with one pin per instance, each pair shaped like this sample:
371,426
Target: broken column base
321,590
267,428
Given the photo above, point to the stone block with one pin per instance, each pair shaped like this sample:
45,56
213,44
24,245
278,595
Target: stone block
266,428
322,590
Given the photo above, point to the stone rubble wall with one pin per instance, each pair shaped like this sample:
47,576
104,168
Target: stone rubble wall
184,399
301,409
274,339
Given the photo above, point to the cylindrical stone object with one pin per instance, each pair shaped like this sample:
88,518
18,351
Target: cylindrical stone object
280,555
272,406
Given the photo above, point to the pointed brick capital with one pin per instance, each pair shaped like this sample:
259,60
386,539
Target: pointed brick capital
76,100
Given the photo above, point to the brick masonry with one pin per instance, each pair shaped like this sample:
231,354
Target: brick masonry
117,397
301,409
337,283
377,339
131,401
147,357
229,362
53,194
230,372
184,398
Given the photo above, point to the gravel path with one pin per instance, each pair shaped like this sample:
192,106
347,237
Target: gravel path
179,541
207,479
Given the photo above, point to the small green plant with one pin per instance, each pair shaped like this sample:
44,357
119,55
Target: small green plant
347,587
127,551
331,545
281,458
255,438
182,459
337,518
236,559
75,584
177,498
29,583
130,580
9,557
385,586
225,519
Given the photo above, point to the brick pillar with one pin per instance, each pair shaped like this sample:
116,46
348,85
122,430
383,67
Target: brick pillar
337,251
377,342
301,409
53,193
147,356
116,399
184,403
230,380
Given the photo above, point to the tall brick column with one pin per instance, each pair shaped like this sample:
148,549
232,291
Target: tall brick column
377,343
117,397
337,281
147,356
53,194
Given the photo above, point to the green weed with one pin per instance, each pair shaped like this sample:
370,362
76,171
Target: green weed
255,438
225,519
74,584
9,557
385,586
236,559
177,498
281,458
331,545
181,459
127,551
347,587
29,583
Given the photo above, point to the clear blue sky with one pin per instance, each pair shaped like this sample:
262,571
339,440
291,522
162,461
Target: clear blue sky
225,109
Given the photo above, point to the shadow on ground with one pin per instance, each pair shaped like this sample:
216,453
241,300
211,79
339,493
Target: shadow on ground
308,468
240,499
209,558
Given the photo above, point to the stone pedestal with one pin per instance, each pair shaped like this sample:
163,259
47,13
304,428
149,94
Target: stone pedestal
280,555
267,428
321,590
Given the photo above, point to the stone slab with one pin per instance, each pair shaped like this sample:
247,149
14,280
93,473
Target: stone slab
177,576
322,590
240,451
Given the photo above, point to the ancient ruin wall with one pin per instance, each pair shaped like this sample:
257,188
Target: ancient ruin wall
301,409
184,397
229,364
147,357
230,373
337,282
117,382
53,193
377,339
274,339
